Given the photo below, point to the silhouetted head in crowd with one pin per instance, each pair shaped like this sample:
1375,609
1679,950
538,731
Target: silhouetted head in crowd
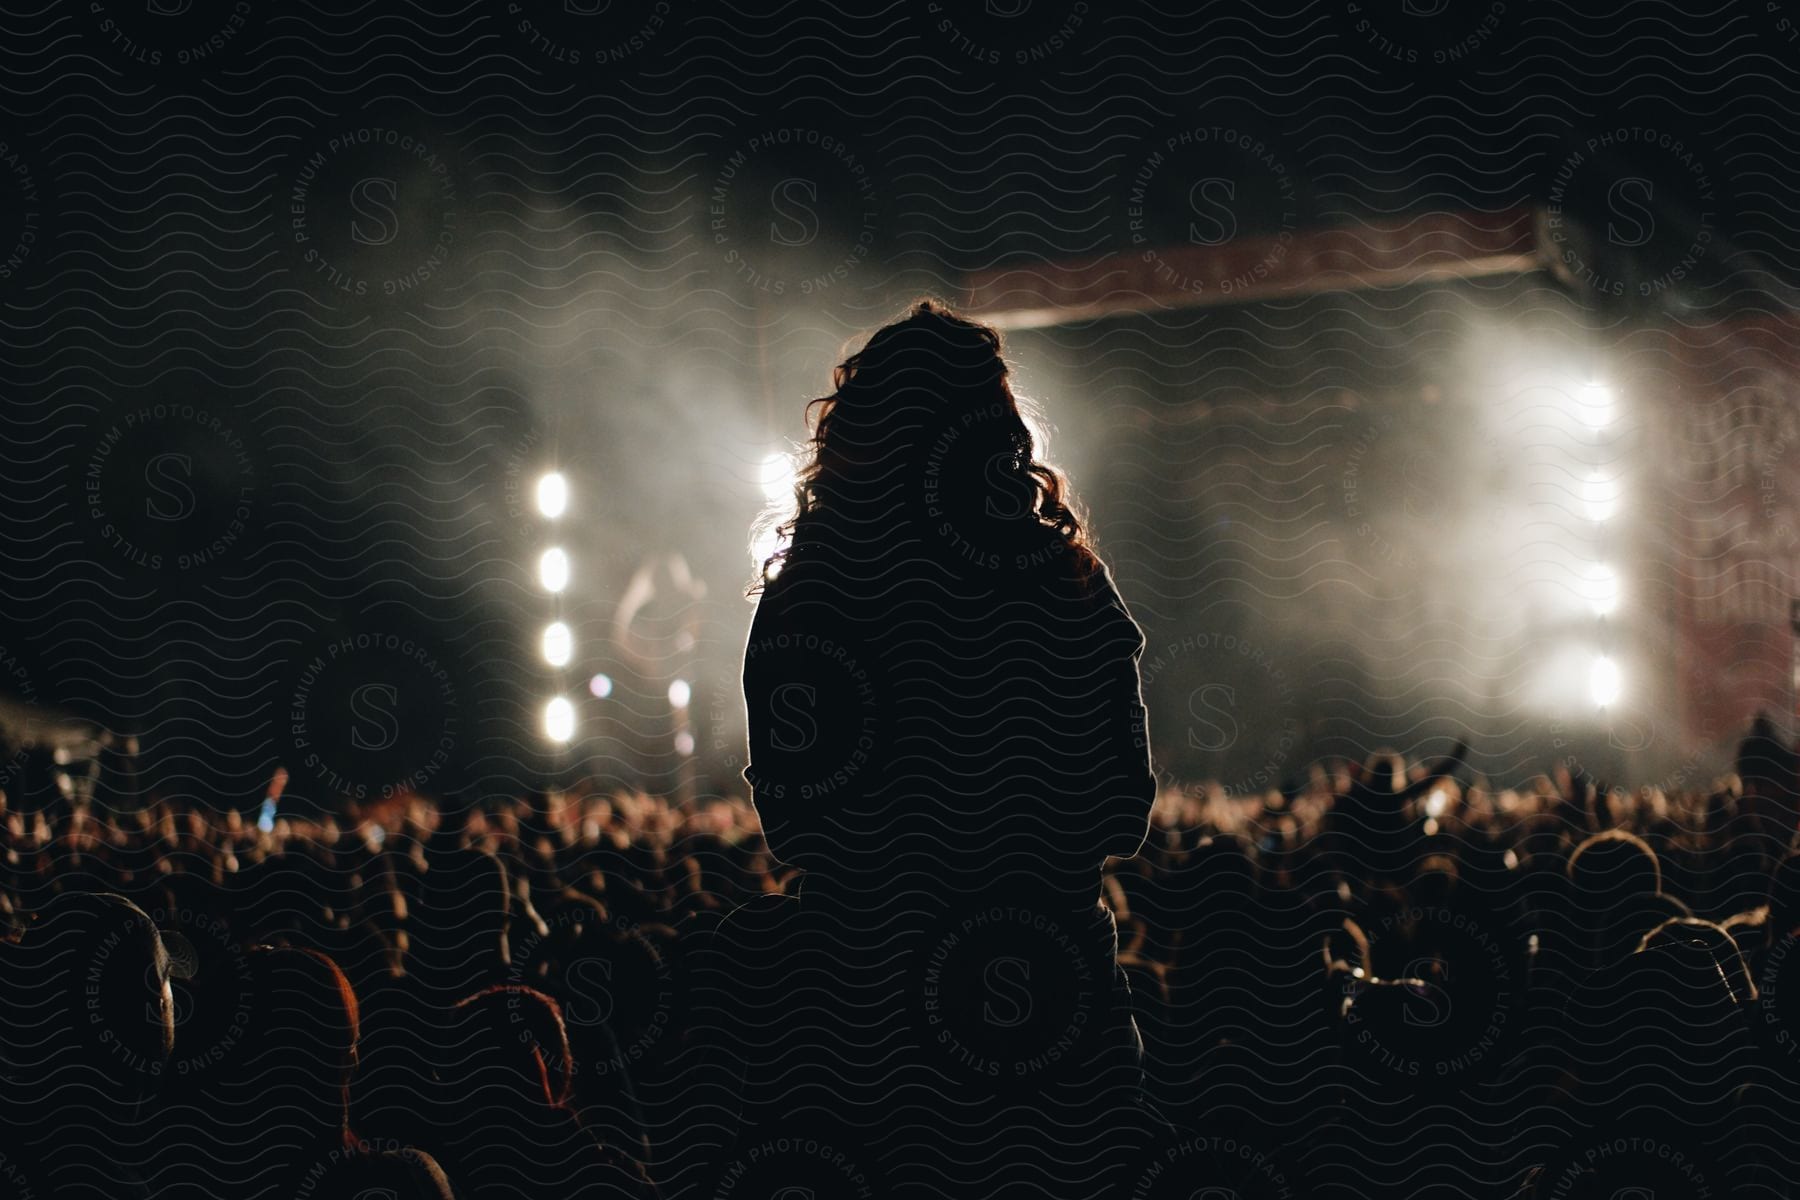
404,1174
1614,866
1659,1039
457,931
1615,893
299,1045
930,385
88,1011
34,787
1410,1018
1438,883
1716,941
508,1038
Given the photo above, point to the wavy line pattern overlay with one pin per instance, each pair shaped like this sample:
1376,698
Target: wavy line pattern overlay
375,813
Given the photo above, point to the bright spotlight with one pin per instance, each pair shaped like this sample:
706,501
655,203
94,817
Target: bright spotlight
1596,403
553,494
600,686
766,542
559,644
778,477
1604,682
1599,496
684,743
1600,586
680,693
559,719
553,569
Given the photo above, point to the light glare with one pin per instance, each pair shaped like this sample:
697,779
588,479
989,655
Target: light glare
559,719
600,686
680,693
553,570
763,546
1604,681
553,494
1601,588
1596,403
777,477
559,644
1599,497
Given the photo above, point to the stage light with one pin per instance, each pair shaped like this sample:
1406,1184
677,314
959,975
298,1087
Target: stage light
778,477
600,686
1595,401
680,693
553,494
1599,496
1604,682
559,719
553,569
1600,585
1436,802
559,644
684,743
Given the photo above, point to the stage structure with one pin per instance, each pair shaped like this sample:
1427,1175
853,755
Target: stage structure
1624,473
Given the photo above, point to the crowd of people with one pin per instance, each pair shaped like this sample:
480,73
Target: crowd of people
1384,975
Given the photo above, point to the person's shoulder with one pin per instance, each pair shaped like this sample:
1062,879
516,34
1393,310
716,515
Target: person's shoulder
1088,585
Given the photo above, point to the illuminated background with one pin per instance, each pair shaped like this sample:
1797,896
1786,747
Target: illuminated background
1546,510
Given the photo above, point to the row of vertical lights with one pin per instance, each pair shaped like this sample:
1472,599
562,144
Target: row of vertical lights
1600,582
558,642
553,576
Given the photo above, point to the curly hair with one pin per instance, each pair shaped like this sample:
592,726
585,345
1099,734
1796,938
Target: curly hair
932,363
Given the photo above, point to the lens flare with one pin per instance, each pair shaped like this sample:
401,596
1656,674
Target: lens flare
553,570
777,476
1604,682
1600,587
1595,404
559,719
559,644
1599,496
553,494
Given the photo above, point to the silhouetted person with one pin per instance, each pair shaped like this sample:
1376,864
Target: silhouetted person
498,1118
1770,772
263,1101
87,1018
947,735
456,923
1373,827
118,786
615,985
457,926
403,1174
1615,897
1656,1046
34,787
